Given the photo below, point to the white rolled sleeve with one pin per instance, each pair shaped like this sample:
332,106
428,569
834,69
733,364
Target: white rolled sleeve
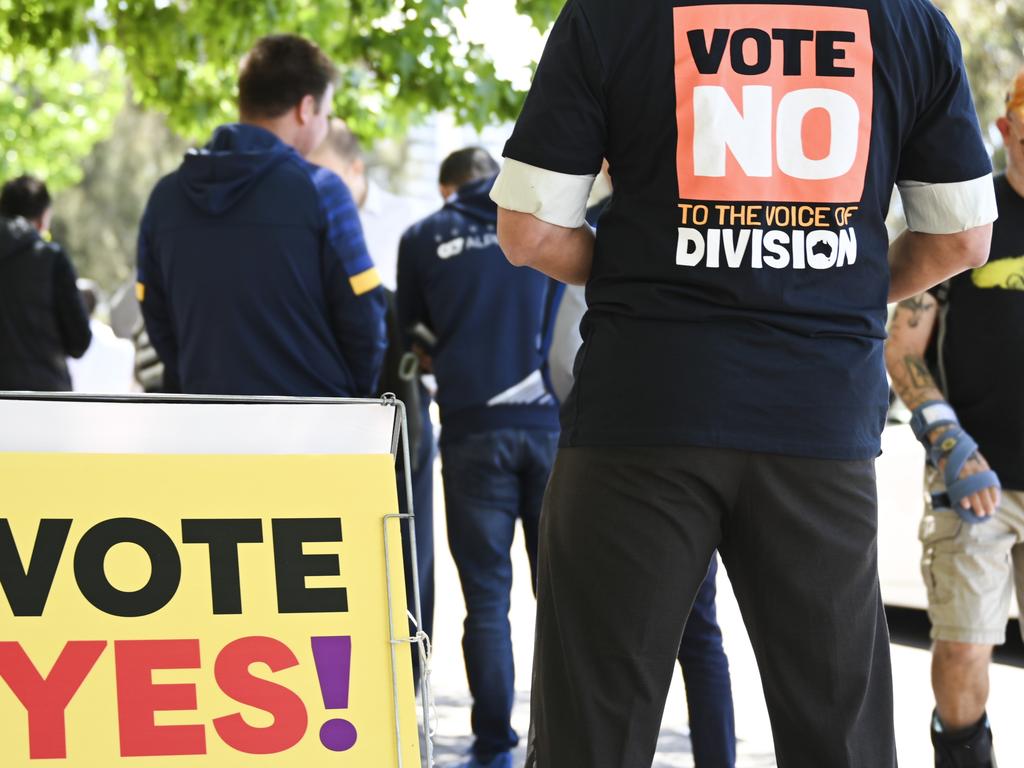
557,198
943,209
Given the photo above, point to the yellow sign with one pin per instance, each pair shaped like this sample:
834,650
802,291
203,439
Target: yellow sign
196,611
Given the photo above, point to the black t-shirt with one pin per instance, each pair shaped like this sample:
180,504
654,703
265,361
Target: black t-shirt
738,293
982,337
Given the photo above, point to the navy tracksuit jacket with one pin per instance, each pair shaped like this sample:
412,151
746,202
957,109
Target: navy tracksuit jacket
254,277
488,318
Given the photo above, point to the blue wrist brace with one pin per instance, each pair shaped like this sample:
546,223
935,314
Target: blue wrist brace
956,447
929,416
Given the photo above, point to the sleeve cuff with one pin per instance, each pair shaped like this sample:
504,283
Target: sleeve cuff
557,198
365,281
943,209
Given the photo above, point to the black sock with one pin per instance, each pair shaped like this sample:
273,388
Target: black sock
960,735
969,747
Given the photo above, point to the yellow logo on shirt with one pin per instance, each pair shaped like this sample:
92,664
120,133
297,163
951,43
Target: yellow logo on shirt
1007,274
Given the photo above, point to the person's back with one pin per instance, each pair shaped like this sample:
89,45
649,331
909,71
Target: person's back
236,229
42,319
761,228
485,314
254,277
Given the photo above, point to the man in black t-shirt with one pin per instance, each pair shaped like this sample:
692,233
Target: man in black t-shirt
730,391
970,333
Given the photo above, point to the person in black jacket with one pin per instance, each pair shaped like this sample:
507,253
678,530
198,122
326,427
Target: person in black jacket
42,319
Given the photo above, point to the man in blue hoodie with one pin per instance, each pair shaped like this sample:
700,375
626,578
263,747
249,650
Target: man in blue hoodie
254,278
499,421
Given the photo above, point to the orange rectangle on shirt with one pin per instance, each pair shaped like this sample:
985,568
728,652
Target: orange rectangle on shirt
773,102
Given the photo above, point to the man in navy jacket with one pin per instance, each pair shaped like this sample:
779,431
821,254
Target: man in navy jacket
254,278
499,421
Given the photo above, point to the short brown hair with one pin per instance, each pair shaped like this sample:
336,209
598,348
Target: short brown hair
279,72
466,165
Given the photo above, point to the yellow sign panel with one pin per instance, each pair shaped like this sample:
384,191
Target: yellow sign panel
198,611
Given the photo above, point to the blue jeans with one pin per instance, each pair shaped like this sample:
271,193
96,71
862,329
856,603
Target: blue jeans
706,676
491,480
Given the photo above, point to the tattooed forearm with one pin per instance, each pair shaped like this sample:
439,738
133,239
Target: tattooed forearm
915,308
912,326
912,381
920,376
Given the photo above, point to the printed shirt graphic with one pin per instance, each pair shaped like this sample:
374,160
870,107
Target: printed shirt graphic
1007,273
773,102
740,277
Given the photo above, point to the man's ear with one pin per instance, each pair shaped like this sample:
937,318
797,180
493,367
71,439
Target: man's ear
42,224
1003,124
305,109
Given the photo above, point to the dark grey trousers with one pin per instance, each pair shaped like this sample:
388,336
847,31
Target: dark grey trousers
626,538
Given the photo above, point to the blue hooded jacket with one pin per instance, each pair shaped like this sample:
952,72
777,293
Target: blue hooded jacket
254,277
486,315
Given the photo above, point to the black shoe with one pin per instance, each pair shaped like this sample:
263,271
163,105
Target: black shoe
969,747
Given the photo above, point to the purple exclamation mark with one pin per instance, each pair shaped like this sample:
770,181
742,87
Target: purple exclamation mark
333,657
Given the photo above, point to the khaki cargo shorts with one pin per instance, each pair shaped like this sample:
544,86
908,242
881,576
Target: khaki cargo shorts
971,570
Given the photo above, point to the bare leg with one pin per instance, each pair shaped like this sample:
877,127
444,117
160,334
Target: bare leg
960,682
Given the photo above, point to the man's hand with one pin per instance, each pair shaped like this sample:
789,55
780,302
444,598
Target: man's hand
983,503
426,362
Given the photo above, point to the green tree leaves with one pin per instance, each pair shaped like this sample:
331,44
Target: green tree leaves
992,33
400,58
54,108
